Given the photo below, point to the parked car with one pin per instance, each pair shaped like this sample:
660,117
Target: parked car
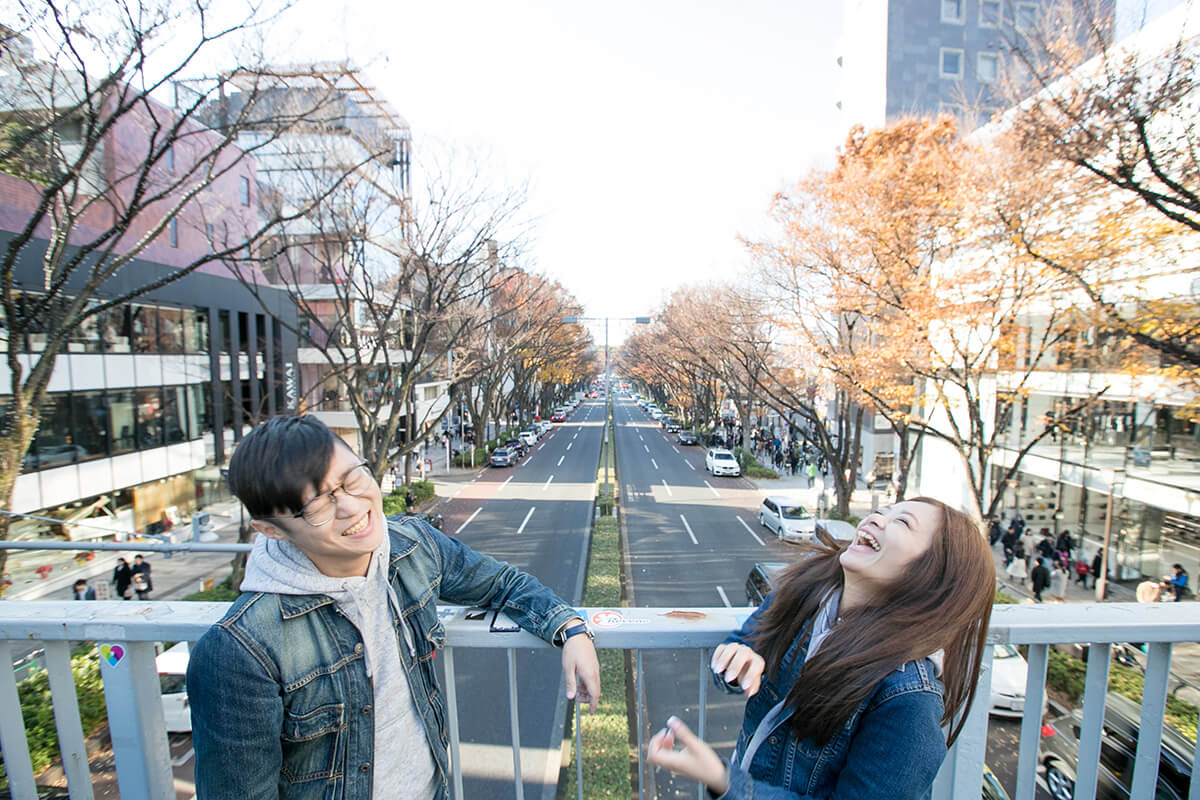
787,519
528,438
672,425
172,666
688,437
720,461
655,414
558,416
502,457
1009,674
545,425
838,529
517,446
761,579
1058,753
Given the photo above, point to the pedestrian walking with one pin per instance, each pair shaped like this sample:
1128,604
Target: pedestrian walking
1097,565
1028,544
81,591
122,579
1045,545
1009,542
1058,582
1016,569
1177,581
1039,579
1064,544
140,576
812,475
1082,570
994,532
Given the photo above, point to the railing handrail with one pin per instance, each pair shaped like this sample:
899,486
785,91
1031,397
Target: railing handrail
628,628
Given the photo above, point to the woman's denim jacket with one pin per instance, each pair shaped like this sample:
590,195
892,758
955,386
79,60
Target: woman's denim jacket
281,702
890,747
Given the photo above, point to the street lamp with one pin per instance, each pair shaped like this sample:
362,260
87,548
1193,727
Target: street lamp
635,320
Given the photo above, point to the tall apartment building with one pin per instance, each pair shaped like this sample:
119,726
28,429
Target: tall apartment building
923,57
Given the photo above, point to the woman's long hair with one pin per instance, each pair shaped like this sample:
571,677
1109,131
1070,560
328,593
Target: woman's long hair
943,603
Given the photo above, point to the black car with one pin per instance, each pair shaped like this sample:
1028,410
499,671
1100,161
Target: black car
672,425
1058,754
517,445
688,437
761,579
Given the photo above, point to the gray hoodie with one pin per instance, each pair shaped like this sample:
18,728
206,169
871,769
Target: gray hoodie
402,756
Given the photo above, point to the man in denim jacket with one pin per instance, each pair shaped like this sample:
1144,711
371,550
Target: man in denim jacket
319,681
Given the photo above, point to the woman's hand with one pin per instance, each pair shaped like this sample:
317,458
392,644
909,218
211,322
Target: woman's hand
740,665
696,760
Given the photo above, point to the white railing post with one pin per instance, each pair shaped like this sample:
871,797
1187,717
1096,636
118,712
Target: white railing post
135,720
12,732
66,720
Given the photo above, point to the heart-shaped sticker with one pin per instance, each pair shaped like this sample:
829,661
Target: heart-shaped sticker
112,653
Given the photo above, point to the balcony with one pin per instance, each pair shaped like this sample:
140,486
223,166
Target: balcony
140,745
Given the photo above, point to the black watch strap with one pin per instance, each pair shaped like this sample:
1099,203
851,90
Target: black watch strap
579,628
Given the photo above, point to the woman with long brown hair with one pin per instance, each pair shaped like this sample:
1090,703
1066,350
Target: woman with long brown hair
853,665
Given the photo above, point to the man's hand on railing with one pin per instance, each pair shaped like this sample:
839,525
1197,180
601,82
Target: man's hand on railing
696,760
739,666
582,670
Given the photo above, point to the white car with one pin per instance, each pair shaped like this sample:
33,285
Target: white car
528,438
1009,674
172,667
838,529
720,461
545,425
790,521
656,414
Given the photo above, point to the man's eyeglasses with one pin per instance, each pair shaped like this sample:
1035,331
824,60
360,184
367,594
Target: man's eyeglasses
320,509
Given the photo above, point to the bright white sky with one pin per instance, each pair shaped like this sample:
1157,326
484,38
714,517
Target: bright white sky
652,133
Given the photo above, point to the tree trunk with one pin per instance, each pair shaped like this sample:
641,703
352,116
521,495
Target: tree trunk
13,447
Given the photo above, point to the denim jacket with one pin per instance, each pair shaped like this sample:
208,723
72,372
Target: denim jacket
892,746
281,701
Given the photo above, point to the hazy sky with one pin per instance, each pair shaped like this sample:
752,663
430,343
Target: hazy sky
652,133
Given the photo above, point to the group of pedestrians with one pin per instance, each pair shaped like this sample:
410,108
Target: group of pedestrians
1045,560
126,581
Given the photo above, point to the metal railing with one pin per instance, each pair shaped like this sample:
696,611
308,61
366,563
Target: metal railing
143,763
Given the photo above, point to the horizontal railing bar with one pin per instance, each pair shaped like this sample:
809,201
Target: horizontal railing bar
638,628
148,547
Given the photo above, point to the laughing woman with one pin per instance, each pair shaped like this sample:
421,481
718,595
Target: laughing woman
853,665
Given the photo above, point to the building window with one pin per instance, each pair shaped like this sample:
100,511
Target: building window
1025,17
173,228
951,62
987,67
952,11
145,329
989,13
244,190
401,162
149,418
122,432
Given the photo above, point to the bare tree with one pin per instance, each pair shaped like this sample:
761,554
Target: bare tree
110,165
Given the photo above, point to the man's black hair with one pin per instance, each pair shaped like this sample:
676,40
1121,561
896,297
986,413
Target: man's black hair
80,582
277,461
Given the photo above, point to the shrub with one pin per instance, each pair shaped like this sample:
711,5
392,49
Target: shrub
223,592
421,491
750,466
38,711
394,503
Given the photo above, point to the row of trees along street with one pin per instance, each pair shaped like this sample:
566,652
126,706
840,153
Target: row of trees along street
116,132
928,277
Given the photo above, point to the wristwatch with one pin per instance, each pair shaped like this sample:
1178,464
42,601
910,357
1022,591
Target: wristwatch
577,629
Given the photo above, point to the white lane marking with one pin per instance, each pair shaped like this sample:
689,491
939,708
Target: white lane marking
668,488
655,463
576,436
693,469
560,460
526,521
640,437
647,448
546,485
689,529
510,477
527,461
724,597
569,445
468,522
749,531
676,449
711,489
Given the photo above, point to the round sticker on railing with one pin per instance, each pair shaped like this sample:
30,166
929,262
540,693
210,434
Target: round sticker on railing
607,619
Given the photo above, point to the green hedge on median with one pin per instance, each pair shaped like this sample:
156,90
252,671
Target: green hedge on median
750,466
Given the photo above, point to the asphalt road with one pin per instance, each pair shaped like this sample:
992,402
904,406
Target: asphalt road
692,539
536,516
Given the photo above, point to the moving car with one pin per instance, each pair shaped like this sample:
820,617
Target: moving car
502,457
1058,753
172,667
688,437
720,461
790,521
